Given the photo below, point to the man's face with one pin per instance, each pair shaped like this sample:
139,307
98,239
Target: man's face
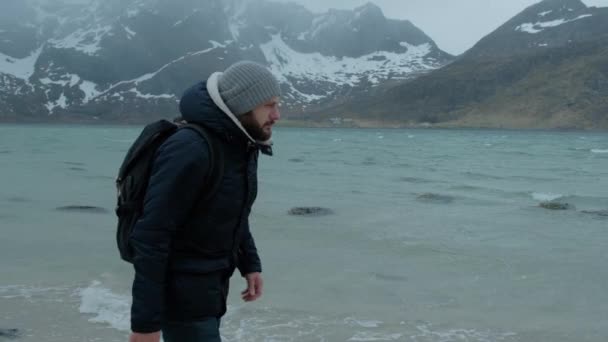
260,120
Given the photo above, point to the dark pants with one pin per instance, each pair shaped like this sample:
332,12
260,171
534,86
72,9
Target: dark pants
207,330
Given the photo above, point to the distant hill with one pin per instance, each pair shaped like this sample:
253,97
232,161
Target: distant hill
545,68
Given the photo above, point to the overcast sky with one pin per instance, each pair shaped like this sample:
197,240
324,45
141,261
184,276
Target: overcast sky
455,25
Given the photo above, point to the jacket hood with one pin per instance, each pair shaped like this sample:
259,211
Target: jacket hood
202,104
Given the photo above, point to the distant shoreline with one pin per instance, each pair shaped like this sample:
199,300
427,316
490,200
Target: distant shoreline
311,125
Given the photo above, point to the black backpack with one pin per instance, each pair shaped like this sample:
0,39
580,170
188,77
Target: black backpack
132,180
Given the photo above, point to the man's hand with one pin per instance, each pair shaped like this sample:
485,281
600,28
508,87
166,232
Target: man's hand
137,337
255,286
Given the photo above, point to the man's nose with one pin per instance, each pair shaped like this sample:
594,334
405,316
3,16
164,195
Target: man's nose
275,114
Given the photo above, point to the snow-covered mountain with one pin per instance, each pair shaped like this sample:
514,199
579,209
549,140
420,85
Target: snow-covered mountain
131,60
544,25
547,67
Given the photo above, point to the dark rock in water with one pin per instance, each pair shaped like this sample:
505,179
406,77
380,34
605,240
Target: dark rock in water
9,333
296,160
73,163
310,211
435,198
369,161
553,205
101,177
18,199
603,213
389,277
83,208
414,180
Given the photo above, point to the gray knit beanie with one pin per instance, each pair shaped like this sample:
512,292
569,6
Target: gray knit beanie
246,85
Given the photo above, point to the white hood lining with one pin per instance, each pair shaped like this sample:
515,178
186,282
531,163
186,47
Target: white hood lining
214,92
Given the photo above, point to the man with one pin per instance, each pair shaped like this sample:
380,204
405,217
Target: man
184,254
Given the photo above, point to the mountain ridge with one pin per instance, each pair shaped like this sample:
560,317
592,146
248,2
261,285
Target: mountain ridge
125,61
544,69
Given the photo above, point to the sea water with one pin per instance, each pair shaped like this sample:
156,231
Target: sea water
436,235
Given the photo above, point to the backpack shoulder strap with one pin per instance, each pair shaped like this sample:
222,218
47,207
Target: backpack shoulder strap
216,160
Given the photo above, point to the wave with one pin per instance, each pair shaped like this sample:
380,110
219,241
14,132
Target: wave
588,204
595,150
434,198
244,323
426,332
545,197
106,306
294,326
416,180
122,141
477,175
30,292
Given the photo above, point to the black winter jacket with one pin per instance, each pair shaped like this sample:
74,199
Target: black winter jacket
184,254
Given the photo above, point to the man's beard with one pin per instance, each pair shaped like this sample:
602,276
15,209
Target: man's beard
253,128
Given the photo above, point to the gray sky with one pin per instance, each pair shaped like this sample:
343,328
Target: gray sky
444,20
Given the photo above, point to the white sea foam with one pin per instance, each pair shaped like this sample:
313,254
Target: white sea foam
106,306
595,150
362,323
373,336
426,332
30,293
544,197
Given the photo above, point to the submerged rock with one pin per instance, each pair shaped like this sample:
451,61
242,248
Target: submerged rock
18,199
415,180
9,333
389,277
435,198
553,205
83,208
310,211
603,213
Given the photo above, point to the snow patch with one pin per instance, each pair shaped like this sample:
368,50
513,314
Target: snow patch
21,68
90,90
236,11
542,14
150,75
86,41
74,79
130,33
132,13
537,27
150,96
320,23
287,63
60,102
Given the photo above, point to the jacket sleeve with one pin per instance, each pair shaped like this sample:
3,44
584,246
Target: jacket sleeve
248,258
178,172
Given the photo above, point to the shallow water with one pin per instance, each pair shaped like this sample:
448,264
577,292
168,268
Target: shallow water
435,236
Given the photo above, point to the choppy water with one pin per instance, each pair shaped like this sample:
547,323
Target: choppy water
436,236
